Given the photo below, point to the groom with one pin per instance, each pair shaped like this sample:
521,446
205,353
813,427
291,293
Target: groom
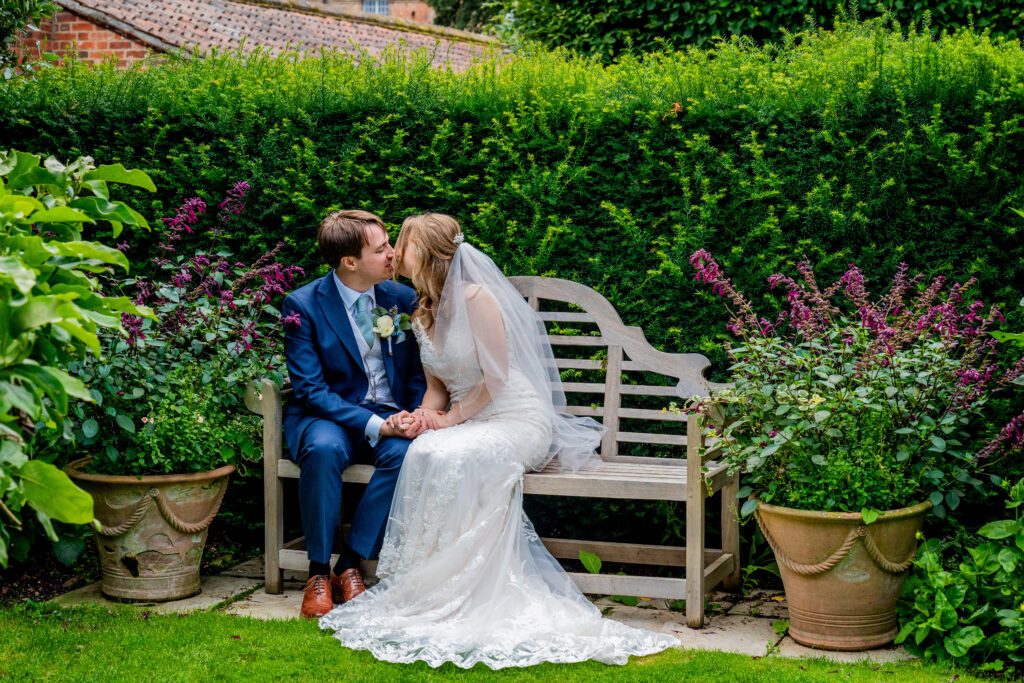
346,381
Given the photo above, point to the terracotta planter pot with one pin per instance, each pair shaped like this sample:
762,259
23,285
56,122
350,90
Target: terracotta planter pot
842,577
154,529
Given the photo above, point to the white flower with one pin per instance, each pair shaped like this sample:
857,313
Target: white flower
199,418
458,239
384,327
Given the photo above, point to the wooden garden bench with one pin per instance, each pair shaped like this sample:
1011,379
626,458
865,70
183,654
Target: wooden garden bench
628,385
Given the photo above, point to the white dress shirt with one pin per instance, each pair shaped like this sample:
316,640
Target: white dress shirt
378,389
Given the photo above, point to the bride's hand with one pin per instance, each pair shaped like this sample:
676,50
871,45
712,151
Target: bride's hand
432,419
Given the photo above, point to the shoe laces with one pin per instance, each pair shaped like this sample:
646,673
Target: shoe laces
319,585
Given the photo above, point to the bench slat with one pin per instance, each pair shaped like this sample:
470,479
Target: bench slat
627,553
552,316
579,364
643,437
646,586
576,340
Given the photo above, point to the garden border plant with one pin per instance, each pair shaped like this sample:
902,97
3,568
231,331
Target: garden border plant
853,407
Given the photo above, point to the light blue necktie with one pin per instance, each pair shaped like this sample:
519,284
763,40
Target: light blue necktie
364,319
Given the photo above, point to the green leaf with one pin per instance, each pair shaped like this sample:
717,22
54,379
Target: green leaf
92,251
1004,528
67,550
961,640
14,271
41,310
748,507
116,173
821,415
125,423
90,428
591,562
60,214
938,444
780,626
50,491
630,600
869,515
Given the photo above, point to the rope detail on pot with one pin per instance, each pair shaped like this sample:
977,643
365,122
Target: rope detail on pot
181,526
140,510
884,564
154,494
860,531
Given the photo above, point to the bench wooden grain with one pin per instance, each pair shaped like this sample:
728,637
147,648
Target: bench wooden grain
622,381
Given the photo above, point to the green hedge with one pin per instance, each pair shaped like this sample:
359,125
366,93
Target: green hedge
608,28
862,144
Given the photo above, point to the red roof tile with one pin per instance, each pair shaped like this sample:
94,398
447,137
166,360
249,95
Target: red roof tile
207,24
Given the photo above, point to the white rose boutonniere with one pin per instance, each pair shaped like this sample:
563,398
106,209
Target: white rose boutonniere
388,325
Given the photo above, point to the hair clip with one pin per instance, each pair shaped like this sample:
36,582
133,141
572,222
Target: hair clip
458,239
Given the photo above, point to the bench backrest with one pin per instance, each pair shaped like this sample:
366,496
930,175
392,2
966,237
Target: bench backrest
622,380
617,376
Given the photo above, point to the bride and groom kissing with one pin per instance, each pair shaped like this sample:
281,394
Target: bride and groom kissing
452,415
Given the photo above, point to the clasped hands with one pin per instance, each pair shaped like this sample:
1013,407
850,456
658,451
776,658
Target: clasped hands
410,425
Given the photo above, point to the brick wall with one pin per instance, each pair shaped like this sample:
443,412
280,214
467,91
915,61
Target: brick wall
410,10
94,43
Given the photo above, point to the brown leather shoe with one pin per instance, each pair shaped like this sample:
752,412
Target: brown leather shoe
316,598
347,585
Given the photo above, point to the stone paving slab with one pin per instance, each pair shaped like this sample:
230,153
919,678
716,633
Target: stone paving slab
790,648
770,604
214,590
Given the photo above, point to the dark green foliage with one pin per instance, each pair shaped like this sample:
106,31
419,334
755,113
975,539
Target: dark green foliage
857,145
594,27
467,15
972,615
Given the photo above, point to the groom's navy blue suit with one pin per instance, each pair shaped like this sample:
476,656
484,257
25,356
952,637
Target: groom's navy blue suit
325,422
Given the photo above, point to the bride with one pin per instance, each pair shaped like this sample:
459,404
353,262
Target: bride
464,576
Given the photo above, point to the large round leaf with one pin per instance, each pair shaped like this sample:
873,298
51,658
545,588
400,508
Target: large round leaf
50,491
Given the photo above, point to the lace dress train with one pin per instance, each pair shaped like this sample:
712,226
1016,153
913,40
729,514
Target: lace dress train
465,578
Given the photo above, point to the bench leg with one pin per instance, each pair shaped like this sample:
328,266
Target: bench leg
695,560
731,532
273,534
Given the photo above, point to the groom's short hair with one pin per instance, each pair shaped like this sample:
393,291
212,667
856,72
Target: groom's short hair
343,233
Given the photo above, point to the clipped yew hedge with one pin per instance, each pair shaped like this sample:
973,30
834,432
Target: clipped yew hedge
865,144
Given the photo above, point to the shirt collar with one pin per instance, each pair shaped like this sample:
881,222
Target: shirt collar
349,295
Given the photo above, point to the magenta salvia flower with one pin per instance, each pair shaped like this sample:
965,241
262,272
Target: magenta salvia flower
908,372
292,320
186,216
232,204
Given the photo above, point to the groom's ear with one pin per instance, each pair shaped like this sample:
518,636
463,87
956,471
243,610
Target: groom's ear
348,263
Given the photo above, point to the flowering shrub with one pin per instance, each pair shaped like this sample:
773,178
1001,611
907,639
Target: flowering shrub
974,615
169,390
853,404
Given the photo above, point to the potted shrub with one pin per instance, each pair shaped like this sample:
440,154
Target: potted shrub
851,418
169,425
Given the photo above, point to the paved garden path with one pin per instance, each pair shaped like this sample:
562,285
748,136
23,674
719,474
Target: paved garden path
745,625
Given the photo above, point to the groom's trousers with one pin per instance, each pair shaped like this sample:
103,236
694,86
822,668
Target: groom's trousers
325,450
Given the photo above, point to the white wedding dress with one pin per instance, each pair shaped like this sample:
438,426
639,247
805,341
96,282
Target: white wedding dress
464,576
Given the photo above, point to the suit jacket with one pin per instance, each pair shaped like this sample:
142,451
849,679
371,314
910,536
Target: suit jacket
324,364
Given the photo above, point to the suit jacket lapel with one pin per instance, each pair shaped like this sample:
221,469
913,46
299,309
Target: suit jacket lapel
334,310
386,301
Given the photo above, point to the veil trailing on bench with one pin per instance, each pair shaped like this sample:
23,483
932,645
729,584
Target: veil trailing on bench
507,332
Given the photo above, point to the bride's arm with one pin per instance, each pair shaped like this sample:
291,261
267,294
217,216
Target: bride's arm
488,331
436,397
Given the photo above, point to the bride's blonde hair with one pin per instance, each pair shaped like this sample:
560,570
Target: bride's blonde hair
432,235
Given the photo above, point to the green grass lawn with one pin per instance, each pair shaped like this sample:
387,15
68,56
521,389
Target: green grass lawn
42,642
